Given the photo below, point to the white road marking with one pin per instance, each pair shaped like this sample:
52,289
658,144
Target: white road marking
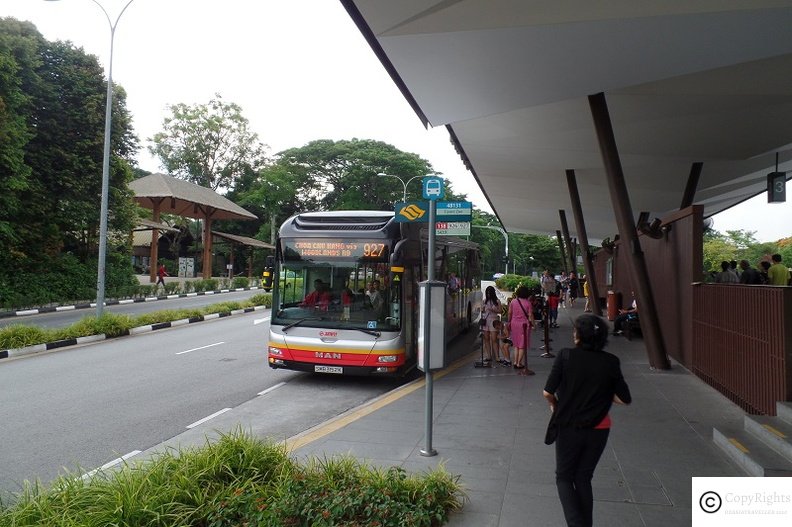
201,348
112,463
260,320
271,388
224,410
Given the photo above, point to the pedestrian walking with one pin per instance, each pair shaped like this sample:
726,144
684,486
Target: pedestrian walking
161,274
583,384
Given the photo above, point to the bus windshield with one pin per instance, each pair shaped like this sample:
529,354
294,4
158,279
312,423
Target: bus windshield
337,293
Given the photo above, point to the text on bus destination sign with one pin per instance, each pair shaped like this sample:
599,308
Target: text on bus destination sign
340,249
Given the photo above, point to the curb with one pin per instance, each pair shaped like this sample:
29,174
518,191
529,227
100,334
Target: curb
39,348
28,312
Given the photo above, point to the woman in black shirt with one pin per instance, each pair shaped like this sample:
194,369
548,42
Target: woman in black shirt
584,382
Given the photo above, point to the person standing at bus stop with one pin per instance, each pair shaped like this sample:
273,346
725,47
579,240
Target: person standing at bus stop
521,322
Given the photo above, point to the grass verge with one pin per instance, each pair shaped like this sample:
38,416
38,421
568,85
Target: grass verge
113,325
240,481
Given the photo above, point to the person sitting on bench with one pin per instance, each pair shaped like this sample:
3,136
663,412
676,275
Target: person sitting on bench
623,316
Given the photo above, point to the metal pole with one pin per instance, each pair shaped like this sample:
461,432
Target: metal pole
428,451
505,239
100,278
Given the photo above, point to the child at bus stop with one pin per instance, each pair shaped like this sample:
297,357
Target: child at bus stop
504,343
552,309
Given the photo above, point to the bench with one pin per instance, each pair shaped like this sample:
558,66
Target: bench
632,325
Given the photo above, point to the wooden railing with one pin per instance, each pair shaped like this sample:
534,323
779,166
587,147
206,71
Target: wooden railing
742,343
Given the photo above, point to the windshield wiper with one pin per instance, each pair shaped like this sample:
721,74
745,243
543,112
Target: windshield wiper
370,332
298,322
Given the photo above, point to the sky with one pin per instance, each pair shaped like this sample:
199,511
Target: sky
300,70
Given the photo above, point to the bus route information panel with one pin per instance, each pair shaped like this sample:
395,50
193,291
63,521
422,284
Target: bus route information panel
312,249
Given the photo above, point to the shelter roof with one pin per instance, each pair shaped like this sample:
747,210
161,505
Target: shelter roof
244,240
187,199
707,81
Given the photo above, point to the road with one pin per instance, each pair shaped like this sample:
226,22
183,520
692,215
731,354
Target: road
67,318
87,405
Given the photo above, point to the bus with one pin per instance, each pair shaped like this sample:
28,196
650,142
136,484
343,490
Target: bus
345,293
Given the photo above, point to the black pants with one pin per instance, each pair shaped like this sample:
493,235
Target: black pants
618,322
578,451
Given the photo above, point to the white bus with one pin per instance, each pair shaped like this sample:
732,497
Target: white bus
346,288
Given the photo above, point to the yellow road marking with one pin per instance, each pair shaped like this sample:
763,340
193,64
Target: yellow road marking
772,430
738,445
351,416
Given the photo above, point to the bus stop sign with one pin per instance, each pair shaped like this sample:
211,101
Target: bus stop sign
433,188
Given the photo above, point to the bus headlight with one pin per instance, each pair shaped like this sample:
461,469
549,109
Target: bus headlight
275,351
388,358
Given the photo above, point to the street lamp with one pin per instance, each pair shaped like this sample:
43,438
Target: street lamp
505,238
404,196
100,280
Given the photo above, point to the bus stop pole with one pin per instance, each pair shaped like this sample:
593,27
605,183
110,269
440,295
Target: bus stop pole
428,451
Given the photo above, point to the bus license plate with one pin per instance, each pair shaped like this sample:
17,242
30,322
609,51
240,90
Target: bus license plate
328,369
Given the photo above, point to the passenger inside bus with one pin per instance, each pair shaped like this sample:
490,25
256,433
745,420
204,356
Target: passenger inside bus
376,297
319,298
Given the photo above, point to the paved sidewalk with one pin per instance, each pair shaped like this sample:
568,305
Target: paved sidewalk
489,427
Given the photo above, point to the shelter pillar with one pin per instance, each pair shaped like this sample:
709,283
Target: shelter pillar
568,241
206,272
650,321
154,250
563,252
580,226
692,185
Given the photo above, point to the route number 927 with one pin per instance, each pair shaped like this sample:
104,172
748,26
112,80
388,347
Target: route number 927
373,250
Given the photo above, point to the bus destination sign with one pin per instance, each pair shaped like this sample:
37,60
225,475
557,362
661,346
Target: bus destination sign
314,248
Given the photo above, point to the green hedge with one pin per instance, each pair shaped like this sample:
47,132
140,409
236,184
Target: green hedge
510,282
239,481
113,325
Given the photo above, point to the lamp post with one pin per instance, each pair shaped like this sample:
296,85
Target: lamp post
404,196
505,238
100,280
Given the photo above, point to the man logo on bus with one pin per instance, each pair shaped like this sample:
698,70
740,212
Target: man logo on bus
412,212
327,355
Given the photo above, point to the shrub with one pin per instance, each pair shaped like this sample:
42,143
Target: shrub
172,288
110,324
343,491
188,286
510,282
19,336
262,299
211,284
240,282
144,291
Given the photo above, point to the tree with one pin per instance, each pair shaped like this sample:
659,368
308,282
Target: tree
342,175
52,108
207,144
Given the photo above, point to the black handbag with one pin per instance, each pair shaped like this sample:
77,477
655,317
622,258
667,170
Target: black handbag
552,430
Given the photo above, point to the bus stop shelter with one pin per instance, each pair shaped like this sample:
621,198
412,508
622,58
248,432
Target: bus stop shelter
165,194
639,119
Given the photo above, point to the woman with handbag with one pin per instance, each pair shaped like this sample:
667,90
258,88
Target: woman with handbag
521,322
584,382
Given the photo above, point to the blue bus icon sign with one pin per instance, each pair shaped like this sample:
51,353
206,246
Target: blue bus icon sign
433,188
